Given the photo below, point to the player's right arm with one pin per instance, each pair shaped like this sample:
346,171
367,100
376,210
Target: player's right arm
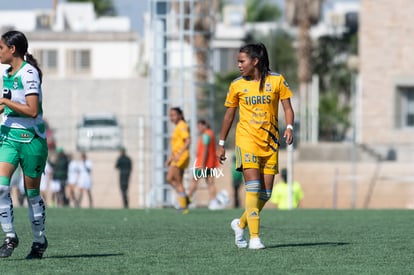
225,128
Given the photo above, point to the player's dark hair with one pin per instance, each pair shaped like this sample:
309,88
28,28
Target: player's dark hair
203,122
19,41
179,112
258,51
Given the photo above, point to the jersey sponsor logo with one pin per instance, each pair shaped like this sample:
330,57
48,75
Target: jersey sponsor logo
24,135
32,84
7,93
259,99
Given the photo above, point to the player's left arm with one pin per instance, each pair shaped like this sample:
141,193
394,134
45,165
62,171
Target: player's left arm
30,108
289,118
31,85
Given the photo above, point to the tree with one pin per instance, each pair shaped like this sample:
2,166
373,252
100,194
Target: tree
330,63
221,86
102,7
304,14
278,43
202,18
261,11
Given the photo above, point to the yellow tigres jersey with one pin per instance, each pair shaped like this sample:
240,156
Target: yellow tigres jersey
258,129
179,134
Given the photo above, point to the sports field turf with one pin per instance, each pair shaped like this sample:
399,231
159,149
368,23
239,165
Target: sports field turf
160,241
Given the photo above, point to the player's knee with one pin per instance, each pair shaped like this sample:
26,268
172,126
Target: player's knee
4,188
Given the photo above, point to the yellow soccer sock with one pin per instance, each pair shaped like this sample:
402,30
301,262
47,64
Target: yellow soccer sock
182,200
252,213
243,220
261,204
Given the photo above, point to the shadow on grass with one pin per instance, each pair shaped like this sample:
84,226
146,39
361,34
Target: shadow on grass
84,256
307,244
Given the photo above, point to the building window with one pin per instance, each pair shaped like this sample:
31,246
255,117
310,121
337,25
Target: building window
405,106
47,59
225,59
79,61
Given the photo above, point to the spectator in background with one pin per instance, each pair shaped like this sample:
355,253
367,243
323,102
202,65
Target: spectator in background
237,177
205,163
124,165
60,176
45,180
71,184
16,183
280,194
85,179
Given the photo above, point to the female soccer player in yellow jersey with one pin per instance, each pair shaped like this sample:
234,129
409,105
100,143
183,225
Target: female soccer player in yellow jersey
180,156
256,93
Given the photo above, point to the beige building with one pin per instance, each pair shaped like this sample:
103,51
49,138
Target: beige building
386,42
382,175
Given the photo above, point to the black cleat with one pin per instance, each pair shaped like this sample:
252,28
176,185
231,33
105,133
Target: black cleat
37,250
9,244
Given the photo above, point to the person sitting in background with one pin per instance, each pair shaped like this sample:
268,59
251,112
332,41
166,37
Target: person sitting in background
280,194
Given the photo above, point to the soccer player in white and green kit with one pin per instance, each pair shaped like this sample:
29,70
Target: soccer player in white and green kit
22,140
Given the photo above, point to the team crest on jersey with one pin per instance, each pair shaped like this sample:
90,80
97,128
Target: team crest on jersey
15,83
268,87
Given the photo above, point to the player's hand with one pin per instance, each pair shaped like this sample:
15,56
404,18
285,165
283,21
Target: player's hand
288,136
221,154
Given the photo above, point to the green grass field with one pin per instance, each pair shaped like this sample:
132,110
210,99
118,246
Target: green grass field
160,241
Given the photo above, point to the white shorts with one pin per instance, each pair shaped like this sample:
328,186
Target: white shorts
87,185
72,180
55,186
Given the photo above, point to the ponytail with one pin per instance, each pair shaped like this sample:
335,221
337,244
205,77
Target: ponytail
32,61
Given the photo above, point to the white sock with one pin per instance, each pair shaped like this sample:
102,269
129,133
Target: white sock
37,215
